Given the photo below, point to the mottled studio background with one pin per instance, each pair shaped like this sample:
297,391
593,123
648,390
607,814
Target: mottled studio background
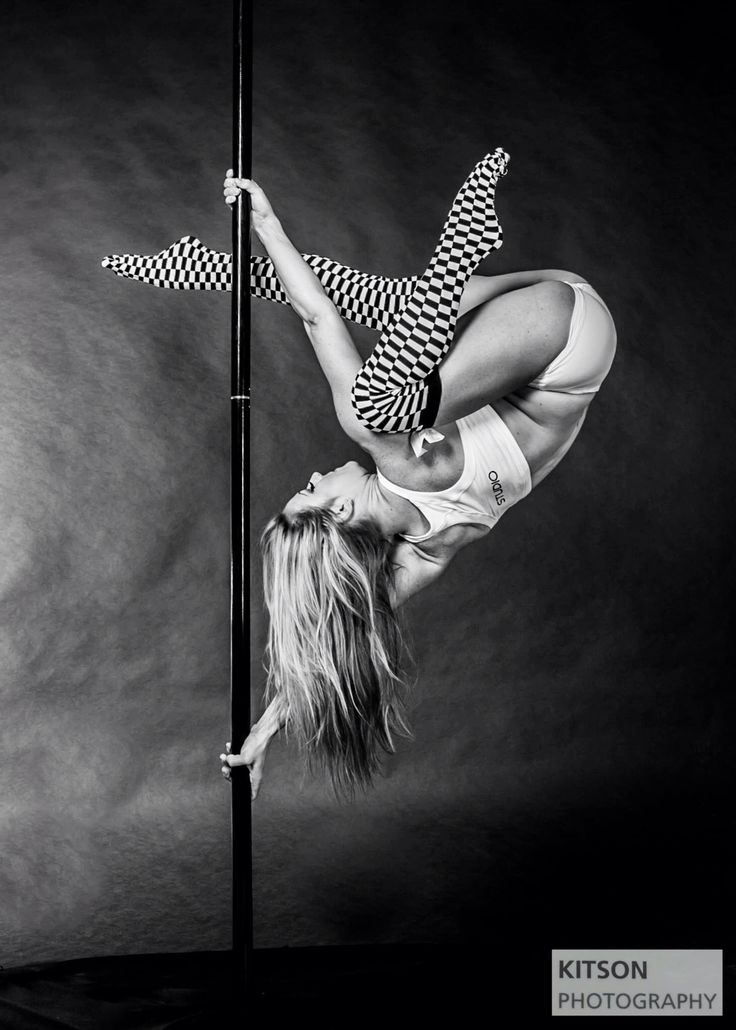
567,784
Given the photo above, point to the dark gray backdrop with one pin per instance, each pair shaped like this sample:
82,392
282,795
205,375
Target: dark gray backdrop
567,781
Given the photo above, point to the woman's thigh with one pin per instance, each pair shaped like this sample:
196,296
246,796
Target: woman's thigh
503,345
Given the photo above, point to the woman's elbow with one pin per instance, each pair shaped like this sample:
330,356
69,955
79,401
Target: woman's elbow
320,312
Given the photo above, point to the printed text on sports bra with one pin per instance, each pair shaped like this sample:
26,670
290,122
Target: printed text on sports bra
497,487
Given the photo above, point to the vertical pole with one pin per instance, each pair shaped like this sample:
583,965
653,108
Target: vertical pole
242,930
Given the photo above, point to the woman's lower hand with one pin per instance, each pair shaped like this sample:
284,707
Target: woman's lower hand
260,205
252,755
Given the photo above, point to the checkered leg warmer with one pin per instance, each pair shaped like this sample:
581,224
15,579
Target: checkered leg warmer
391,391
370,300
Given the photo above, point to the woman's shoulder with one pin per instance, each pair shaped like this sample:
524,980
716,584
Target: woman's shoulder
437,468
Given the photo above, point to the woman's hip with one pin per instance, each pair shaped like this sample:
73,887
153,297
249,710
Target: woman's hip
586,358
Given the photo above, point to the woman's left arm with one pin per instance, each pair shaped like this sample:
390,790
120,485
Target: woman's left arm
333,346
303,288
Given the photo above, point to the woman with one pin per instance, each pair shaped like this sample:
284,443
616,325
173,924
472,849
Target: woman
452,454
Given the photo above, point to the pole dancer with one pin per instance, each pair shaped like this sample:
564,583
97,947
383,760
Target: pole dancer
461,420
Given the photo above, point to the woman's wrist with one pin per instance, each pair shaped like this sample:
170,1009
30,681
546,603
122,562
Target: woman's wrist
267,227
270,722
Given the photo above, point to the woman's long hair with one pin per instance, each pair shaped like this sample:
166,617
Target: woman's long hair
335,645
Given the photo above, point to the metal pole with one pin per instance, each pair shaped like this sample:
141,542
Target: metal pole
242,930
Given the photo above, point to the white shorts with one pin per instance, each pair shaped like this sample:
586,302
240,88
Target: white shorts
586,358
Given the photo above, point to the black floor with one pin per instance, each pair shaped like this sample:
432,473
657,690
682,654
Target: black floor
194,991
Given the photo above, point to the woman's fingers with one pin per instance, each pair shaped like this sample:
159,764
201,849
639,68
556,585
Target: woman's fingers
230,761
233,760
241,184
249,185
231,191
225,769
251,756
233,188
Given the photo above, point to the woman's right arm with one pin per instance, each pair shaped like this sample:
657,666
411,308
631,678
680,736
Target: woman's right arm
253,752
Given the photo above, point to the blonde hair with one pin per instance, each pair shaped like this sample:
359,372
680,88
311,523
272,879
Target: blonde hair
335,644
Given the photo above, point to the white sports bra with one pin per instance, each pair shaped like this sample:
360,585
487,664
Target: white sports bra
495,476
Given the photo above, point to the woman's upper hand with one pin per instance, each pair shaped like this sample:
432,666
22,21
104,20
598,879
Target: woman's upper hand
259,203
252,755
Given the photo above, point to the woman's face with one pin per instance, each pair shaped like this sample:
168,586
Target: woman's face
321,490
